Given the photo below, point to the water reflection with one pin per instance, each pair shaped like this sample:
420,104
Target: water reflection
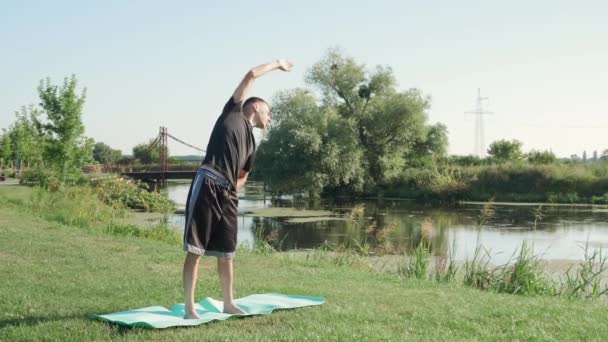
399,226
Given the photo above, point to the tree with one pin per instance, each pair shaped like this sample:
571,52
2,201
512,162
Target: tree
22,141
504,150
431,147
386,123
147,153
361,131
5,148
309,147
104,154
541,157
65,148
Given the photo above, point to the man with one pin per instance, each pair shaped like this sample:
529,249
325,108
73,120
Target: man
211,207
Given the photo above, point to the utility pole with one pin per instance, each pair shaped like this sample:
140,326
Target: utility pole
164,167
479,131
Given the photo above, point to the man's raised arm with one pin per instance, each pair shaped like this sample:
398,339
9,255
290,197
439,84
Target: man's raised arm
244,88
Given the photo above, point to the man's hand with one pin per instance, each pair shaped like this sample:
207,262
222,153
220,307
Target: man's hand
242,91
284,64
241,180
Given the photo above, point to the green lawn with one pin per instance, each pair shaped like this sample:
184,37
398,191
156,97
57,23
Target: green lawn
54,276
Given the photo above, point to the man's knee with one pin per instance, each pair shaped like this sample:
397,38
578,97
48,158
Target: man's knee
192,258
224,260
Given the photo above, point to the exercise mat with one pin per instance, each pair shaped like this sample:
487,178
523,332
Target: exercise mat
209,310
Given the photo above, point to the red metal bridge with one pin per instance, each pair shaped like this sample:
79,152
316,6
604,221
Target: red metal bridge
161,173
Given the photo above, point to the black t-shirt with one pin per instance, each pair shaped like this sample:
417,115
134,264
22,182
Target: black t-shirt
231,147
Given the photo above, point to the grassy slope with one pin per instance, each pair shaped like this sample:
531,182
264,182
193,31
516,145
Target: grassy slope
54,276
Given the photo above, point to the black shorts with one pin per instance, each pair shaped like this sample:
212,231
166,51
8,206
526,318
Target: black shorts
211,215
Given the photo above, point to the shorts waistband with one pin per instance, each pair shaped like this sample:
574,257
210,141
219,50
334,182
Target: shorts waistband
215,176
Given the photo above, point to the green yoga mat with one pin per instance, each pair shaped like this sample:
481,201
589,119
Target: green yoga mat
208,309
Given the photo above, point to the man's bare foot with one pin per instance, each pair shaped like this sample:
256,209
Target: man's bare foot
191,315
231,308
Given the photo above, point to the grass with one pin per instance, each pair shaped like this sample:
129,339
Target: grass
81,207
585,281
54,276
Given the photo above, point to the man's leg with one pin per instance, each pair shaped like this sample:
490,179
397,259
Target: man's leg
224,268
190,274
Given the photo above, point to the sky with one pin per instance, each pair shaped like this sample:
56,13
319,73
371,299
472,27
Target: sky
543,65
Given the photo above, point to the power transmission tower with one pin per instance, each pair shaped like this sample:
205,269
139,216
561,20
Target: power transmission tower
479,134
163,157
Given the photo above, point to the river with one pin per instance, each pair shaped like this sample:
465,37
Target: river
394,226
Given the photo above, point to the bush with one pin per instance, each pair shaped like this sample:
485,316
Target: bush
120,192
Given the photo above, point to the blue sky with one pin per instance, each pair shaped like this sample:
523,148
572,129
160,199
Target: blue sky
543,64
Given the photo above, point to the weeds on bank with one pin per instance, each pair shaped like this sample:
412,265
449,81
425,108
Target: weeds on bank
341,254
417,264
525,275
585,281
80,207
262,244
446,268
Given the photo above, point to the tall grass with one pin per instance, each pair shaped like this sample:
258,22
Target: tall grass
525,275
585,281
446,269
477,272
262,244
417,264
74,206
79,206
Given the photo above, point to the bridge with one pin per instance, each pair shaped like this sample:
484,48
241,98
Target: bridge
158,176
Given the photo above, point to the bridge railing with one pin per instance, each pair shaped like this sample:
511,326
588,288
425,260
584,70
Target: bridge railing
181,165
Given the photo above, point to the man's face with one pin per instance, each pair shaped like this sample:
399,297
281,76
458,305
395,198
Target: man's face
262,115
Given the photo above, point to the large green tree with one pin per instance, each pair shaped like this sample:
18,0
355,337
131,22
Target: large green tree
432,146
360,131
309,147
387,122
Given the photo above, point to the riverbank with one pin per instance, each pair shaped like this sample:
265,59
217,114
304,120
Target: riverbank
52,283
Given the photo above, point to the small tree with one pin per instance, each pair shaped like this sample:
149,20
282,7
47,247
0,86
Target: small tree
147,153
541,157
22,141
504,150
66,149
604,156
104,154
5,147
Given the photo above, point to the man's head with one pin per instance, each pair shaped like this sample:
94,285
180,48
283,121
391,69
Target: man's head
257,111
